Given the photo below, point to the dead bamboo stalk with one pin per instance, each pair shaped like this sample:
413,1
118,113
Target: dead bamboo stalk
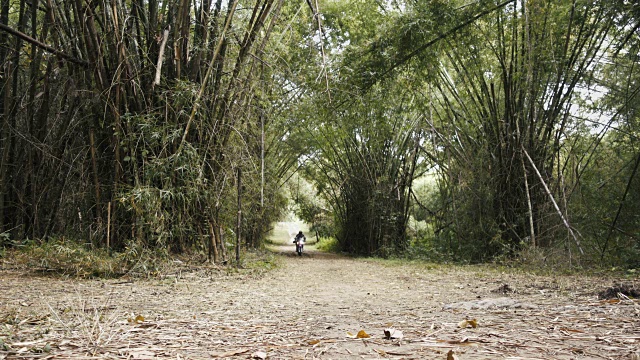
555,204
529,206
108,223
239,224
41,45
165,36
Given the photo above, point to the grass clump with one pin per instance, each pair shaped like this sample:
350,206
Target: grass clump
258,262
73,258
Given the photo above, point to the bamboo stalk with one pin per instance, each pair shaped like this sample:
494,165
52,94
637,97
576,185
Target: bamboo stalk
208,75
529,206
239,223
108,224
213,244
624,196
165,36
555,204
94,167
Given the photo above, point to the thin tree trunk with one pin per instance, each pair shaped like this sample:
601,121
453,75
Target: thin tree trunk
30,192
213,244
5,73
183,41
6,137
261,160
96,178
221,242
165,37
529,206
239,223
11,149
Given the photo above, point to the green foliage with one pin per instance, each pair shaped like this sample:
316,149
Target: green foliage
364,164
494,98
310,207
169,194
152,164
597,200
328,244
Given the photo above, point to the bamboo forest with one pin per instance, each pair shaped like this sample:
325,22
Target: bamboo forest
319,179
441,129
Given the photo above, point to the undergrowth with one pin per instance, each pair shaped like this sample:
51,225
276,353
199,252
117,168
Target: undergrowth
535,261
72,258
64,257
328,244
258,262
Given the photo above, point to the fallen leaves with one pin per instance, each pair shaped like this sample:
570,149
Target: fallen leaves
392,352
389,334
137,320
571,330
468,323
465,341
229,353
255,321
360,335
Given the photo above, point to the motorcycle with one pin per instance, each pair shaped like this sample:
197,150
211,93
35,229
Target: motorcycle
299,245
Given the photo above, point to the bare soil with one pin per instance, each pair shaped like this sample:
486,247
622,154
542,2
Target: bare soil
314,307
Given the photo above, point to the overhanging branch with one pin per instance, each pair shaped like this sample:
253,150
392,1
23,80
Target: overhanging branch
44,47
428,44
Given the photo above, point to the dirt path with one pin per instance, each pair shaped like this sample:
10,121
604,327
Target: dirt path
307,308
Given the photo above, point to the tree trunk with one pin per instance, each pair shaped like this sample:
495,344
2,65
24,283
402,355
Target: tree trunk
5,135
239,222
214,240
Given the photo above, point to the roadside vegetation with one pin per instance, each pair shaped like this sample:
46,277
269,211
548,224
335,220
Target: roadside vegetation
135,134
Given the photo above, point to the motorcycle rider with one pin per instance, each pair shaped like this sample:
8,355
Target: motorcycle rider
300,237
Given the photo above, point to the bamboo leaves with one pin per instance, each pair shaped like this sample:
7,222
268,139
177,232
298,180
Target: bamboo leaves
162,107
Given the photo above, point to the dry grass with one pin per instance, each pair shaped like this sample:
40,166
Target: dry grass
231,314
71,258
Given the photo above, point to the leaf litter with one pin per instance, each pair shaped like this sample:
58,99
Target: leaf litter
405,311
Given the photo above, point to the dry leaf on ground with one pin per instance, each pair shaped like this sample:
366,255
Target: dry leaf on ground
230,353
360,335
259,355
466,323
392,334
451,355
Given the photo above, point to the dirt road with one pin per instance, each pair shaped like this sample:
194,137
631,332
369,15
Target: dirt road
313,307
